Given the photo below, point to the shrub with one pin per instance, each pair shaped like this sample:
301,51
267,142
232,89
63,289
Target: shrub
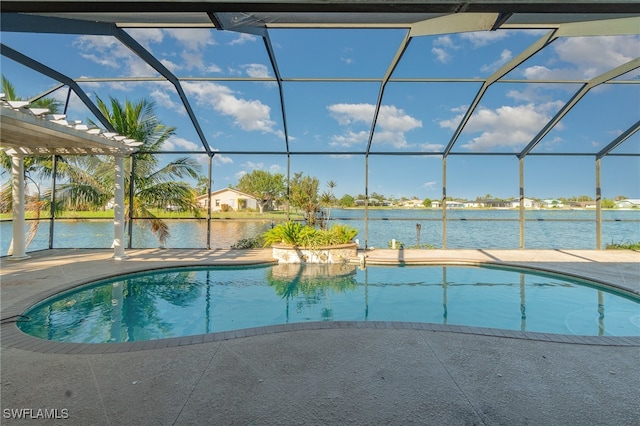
399,244
248,243
623,246
293,233
297,234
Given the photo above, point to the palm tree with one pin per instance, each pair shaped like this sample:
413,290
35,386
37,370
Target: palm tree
327,199
91,179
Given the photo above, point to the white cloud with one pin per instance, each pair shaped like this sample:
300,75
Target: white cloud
109,52
162,98
242,39
483,38
249,115
221,159
256,70
441,55
550,144
349,139
442,47
213,68
192,60
507,126
194,39
586,57
392,124
170,65
445,41
429,185
346,114
250,165
175,143
253,166
505,57
146,36
395,119
431,147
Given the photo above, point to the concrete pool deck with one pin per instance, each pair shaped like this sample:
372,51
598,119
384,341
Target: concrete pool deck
318,373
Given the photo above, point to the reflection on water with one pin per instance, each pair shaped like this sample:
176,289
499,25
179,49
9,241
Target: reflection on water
190,301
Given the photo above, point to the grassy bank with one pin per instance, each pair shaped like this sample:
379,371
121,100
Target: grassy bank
163,214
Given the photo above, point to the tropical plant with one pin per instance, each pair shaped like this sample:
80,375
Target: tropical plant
327,200
91,179
264,186
624,246
297,234
303,194
292,233
248,243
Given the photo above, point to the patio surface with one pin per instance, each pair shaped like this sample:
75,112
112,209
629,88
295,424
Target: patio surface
319,373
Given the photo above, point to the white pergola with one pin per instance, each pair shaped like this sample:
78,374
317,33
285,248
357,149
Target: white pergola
26,132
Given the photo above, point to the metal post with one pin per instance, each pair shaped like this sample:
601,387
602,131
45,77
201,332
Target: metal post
366,201
598,207
118,209
522,203
443,205
209,183
132,163
288,186
53,199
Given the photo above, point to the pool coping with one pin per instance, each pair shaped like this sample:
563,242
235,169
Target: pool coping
13,337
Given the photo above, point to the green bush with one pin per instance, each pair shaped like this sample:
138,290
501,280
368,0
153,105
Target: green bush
248,243
623,246
297,234
399,244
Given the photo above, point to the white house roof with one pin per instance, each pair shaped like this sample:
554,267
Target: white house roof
220,191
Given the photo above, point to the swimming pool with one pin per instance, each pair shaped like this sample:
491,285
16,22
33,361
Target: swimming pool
195,300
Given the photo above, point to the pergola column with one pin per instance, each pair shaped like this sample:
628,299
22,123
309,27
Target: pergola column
118,210
18,202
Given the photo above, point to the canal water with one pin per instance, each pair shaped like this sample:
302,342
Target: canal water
490,229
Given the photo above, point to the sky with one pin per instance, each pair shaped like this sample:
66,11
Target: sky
334,118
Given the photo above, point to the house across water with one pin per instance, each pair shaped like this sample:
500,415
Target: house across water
228,199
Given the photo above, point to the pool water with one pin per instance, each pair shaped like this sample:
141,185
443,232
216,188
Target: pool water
189,301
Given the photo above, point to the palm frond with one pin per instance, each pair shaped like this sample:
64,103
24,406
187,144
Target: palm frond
9,90
178,168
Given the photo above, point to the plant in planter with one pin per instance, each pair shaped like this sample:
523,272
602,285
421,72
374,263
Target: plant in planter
294,242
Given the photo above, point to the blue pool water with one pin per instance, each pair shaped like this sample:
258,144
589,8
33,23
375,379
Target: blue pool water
190,301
